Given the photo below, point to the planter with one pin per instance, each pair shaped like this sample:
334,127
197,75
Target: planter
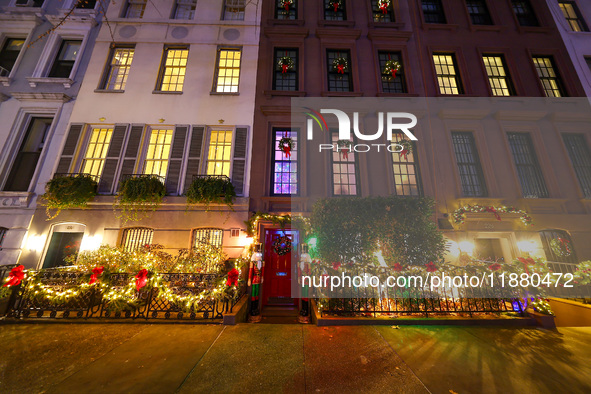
544,321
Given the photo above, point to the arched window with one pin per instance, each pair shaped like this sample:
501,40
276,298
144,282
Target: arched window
3,231
209,236
558,246
136,237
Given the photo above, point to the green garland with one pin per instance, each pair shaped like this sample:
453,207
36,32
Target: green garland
391,68
211,190
285,64
459,215
340,65
138,195
65,192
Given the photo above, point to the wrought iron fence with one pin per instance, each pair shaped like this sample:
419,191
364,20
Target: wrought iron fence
4,270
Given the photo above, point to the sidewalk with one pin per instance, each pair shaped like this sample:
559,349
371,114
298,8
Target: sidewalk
140,358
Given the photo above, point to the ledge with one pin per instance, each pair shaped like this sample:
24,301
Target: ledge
383,94
534,29
67,82
15,199
275,110
440,26
4,97
285,22
108,91
285,93
493,28
224,94
345,33
388,25
5,81
389,34
341,94
290,31
41,96
165,92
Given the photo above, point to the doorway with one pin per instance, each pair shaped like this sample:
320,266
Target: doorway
277,274
64,242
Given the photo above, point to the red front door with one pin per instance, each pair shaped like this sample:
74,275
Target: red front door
277,275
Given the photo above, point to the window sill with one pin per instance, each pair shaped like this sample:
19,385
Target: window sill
165,92
440,26
324,23
388,25
384,94
285,93
534,29
14,199
496,28
5,81
285,22
341,94
108,91
224,94
67,82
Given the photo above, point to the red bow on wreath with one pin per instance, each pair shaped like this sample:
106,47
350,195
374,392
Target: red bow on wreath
564,243
141,279
233,277
340,68
404,153
494,212
335,5
394,73
95,274
345,152
286,150
384,8
284,68
15,276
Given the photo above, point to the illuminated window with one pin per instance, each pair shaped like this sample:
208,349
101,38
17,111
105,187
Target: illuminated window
136,238
527,165
135,8
563,239
524,13
406,169
158,152
94,159
499,79
447,74
173,69
289,13
219,153
344,171
208,236
66,57
548,77
185,9
479,14
118,68
573,16
285,167
233,10
433,11
227,71
10,51
469,168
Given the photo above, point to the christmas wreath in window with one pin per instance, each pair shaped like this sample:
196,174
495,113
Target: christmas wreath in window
383,5
561,247
391,68
406,148
286,145
340,65
282,245
335,4
286,4
285,64
344,148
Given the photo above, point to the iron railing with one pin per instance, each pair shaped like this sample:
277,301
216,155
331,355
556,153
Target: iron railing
96,178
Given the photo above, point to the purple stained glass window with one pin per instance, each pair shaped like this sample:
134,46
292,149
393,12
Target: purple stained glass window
285,164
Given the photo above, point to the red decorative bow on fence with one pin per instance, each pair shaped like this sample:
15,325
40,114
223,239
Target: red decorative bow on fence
233,277
95,274
15,276
141,279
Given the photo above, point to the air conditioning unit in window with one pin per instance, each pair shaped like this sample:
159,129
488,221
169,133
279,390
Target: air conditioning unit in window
24,3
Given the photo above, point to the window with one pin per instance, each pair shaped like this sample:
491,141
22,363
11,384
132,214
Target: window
335,11
233,10
208,236
158,153
573,15
385,14
524,13
564,240
391,84
25,162
285,167
588,60
66,57
29,3
136,238
344,169
219,153
135,8
85,4
3,231
580,155
433,11
447,75
498,78
479,14
10,51
548,77
227,71
286,12
118,68
96,152
174,65
286,78
528,167
468,160
185,9
339,71
406,169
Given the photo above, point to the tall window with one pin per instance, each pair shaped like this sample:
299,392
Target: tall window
498,77
3,231
158,153
573,15
66,57
335,14
219,156
391,83
174,66
86,4
233,10
339,71
208,236
562,240
136,238
528,167
471,175
433,11
185,9
286,13
10,51
344,169
94,159
479,14
524,12
285,167
135,8
588,60
285,75
385,14
227,71
406,169
580,156
118,68
548,76
447,74
29,3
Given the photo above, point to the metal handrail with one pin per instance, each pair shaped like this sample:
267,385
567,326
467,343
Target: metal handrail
211,176
125,177
96,178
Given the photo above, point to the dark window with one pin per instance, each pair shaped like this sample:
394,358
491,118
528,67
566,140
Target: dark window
471,175
285,10
498,75
25,163
334,10
136,238
285,74
528,167
86,4
525,13
344,169
573,15
446,70
10,51
233,10
27,3
558,241
61,247
580,155
285,167
3,231
549,77
479,14
208,236
339,71
382,11
407,177
391,83
588,60
433,11
66,57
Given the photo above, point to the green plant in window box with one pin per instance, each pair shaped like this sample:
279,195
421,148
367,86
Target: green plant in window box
138,195
211,190
65,192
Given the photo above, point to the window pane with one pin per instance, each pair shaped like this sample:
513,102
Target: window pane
479,14
524,13
286,12
391,83
208,236
339,74
433,11
66,57
572,15
135,8
343,169
285,75
228,71
447,77
528,168
96,152
335,10
175,65
500,82
234,10
382,12
119,66
563,239
158,152
219,153
551,83
469,168
406,169
185,9
580,156
285,167
10,51
136,238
